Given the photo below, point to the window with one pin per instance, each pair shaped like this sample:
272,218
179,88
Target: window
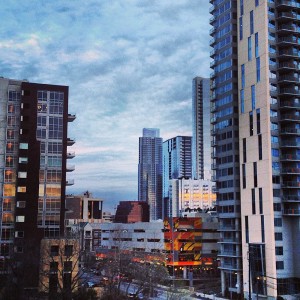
244,175
246,229
244,150
251,22
258,121
256,2
249,49
21,204
256,45
23,146
262,222
251,122
243,75
278,236
277,222
68,250
241,27
259,147
277,206
19,234
260,197
54,250
67,266
257,69
279,250
22,174
23,160
242,7
20,219
253,97
279,265
21,189
242,99
253,201
255,173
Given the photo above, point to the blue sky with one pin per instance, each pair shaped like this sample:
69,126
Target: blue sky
129,64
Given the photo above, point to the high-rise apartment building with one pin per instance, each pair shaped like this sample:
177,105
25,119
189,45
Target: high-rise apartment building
33,155
150,170
264,69
225,141
201,128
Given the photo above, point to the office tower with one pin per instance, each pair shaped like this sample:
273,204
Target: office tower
33,154
150,171
201,128
268,86
225,141
177,160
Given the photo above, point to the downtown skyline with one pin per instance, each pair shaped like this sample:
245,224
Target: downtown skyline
121,60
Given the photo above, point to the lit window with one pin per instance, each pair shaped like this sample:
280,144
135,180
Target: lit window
23,160
23,146
21,189
20,219
22,174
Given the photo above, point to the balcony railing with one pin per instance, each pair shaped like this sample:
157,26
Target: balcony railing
291,198
290,104
287,65
291,212
290,117
70,154
289,91
69,182
290,184
291,143
290,170
70,141
288,3
289,130
290,157
70,168
71,117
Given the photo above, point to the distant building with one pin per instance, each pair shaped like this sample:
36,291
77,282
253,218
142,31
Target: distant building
84,208
108,217
189,194
150,171
201,128
132,212
140,236
33,162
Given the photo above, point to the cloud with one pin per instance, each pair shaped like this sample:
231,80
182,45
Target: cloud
128,64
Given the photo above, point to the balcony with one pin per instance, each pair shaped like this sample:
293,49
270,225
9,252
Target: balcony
285,53
228,228
229,254
286,40
70,168
291,198
290,104
287,4
211,9
212,42
289,91
212,19
230,240
290,157
291,143
288,78
287,27
287,65
288,15
70,155
69,182
71,117
70,141
228,266
290,170
290,117
291,212
290,131
290,184
212,53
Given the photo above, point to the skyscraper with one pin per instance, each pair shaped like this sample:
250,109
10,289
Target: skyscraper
177,163
33,154
225,142
150,171
266,61
201,128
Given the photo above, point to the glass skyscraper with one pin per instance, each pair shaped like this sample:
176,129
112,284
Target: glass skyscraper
150,171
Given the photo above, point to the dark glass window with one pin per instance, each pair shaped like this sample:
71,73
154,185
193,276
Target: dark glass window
260,195
255,173
246,229
262,221
259,147
251,22
251,122
253,201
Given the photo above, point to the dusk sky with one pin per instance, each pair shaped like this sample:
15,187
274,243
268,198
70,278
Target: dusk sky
129,64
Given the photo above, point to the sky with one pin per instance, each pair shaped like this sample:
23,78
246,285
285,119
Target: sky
129,65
